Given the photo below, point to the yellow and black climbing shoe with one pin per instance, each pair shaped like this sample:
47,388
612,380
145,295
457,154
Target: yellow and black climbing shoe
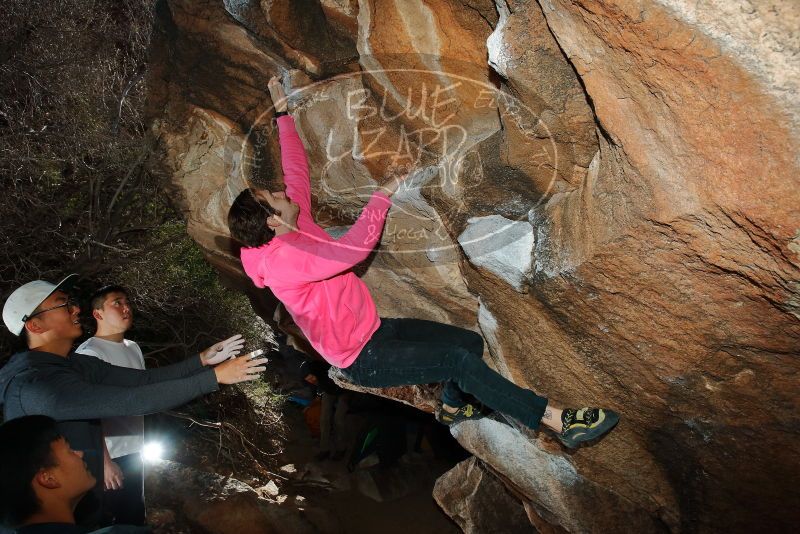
468,412
585,424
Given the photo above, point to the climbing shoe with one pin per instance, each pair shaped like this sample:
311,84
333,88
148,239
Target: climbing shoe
468,412
585,424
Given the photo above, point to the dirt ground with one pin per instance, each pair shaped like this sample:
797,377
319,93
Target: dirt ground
355,512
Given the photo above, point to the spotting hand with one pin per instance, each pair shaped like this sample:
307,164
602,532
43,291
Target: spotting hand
224,350
241,369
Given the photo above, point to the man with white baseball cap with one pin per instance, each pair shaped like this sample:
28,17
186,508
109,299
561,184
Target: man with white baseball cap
22,303
78,390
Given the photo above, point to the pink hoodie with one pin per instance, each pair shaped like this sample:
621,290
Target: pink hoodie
309,271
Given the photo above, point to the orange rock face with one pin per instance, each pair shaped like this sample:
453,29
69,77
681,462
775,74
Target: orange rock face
607,190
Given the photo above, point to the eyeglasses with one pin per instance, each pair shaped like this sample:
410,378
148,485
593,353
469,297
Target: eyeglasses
70,303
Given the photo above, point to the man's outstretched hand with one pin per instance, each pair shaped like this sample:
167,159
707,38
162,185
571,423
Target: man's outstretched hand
277,94
224,350
241,369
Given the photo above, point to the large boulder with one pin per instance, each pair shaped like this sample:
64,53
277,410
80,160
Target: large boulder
479,501
606,190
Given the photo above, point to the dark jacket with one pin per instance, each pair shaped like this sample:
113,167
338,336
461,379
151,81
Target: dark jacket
78,391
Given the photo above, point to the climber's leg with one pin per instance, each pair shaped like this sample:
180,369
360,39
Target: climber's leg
389,359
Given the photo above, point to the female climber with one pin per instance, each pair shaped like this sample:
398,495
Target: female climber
311,273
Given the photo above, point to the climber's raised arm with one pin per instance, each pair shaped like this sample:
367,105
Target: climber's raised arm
293,154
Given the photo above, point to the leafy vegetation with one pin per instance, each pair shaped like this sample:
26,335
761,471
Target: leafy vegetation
78,197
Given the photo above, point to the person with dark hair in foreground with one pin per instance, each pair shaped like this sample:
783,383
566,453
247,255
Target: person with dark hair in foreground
78,391
42,479
311,273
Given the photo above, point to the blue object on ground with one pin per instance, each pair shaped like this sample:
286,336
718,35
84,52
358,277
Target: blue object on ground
302,401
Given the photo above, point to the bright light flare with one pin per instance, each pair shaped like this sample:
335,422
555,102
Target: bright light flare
152,451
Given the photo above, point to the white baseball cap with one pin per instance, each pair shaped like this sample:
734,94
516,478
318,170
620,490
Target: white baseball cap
25,299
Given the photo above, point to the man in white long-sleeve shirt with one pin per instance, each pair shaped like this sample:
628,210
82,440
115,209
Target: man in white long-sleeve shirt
124,436
123,474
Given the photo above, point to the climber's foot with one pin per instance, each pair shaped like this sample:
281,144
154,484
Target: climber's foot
585,424
468,412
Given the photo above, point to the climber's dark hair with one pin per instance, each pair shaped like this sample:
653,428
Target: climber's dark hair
247,220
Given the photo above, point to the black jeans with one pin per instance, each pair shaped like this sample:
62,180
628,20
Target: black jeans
126,505
412,351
